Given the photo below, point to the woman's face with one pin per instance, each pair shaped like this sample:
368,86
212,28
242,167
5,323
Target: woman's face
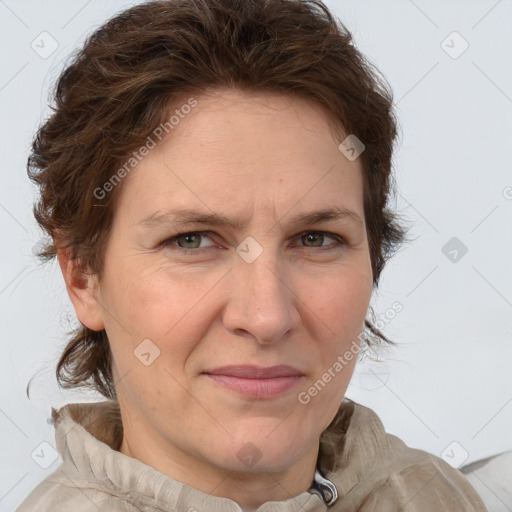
262,288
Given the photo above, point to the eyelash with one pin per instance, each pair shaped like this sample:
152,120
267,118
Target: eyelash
168,242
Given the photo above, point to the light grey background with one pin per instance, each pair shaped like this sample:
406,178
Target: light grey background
447,387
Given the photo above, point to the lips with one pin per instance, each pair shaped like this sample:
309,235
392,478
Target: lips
256,372
255,382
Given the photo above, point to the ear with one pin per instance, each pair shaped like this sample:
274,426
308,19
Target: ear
82,290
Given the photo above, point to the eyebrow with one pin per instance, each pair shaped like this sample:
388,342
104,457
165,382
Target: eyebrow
185,216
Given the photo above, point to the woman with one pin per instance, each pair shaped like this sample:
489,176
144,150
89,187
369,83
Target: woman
215,181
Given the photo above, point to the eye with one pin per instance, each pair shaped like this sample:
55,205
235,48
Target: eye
187,241
190,243
318,237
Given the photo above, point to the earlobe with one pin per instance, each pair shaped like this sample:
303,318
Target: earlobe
82,289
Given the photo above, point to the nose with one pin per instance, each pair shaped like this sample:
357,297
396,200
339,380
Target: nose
262,302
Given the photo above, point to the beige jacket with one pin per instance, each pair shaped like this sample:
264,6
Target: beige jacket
362,468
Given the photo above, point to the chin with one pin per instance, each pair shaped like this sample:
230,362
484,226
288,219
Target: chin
270,450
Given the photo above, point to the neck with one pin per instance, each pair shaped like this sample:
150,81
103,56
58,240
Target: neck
248,489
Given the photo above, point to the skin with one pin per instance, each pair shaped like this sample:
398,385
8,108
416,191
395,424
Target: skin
263,159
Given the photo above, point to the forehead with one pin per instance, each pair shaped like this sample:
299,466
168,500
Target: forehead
244,151
225,112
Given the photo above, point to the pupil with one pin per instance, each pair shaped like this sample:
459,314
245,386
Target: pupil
187,239
318,236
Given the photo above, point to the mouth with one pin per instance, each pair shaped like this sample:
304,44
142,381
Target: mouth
256,382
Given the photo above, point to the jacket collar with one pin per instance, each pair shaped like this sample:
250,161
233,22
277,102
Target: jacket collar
324,489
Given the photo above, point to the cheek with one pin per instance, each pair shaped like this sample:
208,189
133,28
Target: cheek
153,299
341,300
162,306
338,312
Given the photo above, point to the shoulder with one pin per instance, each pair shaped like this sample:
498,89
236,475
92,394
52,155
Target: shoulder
425,482
375,470
59,493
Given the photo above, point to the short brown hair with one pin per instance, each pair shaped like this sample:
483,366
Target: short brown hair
119,86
